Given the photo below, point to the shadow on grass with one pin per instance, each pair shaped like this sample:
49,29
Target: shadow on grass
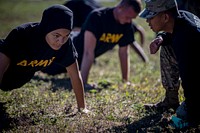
65,82
154,123
140,126
7,123
5,120
57,83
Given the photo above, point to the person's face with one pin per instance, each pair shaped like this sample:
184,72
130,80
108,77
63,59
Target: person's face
157,23
57,38
126,14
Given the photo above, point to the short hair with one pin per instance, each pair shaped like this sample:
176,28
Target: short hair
135,4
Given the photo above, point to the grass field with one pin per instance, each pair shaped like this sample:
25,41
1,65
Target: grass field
47,103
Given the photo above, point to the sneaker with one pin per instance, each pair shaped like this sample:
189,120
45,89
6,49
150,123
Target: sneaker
179,123
181,111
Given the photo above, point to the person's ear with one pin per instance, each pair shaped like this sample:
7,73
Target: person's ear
166,17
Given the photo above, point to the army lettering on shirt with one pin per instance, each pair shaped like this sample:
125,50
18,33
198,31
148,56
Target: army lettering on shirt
110,38
35,63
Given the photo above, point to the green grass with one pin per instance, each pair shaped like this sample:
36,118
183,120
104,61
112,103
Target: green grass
47,103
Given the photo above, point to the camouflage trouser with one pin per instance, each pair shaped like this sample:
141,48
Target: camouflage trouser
169,68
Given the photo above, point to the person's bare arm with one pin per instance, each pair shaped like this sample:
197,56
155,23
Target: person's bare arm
5,61
77,84
139,50
141,33
88,55
124,62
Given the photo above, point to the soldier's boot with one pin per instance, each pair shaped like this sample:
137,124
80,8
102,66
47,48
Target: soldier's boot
171,101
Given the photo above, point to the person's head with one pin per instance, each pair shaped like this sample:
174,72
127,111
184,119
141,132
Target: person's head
160,14
56,25
127,10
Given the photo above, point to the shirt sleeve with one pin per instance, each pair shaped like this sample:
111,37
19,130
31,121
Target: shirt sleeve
67,55
93,23
11,42
167,38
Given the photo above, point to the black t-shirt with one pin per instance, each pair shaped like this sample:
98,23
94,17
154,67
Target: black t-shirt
29,52
106,29
185,41
81,9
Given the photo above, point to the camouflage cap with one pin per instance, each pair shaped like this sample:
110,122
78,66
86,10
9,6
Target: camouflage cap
153,7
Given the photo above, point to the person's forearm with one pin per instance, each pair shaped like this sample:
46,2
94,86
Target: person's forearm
77,84
5,61
138,49
85,67
125,71
124,61
79,92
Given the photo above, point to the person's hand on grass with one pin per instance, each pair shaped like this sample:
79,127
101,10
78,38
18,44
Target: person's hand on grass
84,110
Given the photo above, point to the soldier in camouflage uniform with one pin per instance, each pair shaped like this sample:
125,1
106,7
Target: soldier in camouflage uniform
169,67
